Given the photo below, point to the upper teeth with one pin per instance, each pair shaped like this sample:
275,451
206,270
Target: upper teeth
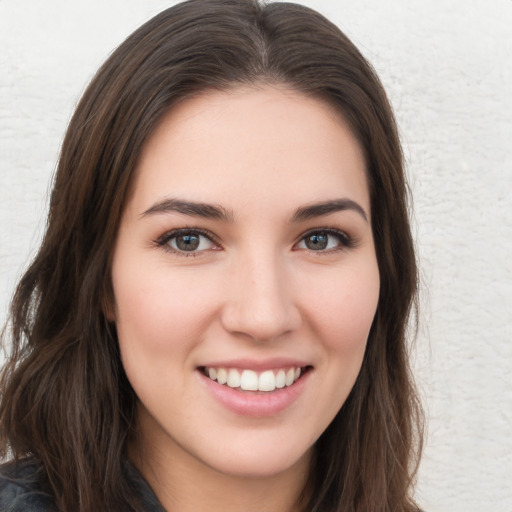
249,380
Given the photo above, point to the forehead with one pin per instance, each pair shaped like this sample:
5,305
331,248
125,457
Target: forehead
266,143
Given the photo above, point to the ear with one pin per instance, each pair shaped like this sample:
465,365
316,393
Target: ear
108,307
110,314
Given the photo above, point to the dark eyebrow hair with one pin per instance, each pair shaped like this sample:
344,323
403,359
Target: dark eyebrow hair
217,212
327,207
205,210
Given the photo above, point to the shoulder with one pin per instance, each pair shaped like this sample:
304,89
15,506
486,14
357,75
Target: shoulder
21,490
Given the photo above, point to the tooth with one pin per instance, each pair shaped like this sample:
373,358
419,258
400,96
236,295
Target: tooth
280,379
267,381
233,378
222,376
249,380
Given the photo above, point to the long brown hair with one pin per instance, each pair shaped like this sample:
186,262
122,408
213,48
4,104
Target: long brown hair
65,398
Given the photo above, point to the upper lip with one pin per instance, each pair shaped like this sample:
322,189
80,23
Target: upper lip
258,365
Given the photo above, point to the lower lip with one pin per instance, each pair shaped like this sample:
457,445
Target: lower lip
247,403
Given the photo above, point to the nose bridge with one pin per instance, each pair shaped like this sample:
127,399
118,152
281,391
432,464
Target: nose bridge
261,303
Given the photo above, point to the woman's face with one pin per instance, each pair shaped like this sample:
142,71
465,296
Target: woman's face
245,279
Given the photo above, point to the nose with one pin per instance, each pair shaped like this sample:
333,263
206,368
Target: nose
260,300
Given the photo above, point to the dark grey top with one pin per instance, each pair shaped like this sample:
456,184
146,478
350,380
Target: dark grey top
21,491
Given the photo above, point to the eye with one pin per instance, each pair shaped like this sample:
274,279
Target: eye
186,241
325,240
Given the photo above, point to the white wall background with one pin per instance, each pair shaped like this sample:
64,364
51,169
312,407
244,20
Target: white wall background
447,65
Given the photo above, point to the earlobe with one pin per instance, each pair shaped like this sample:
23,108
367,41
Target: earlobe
108,308
110,315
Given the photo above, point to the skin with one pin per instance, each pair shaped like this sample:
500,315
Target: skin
252,290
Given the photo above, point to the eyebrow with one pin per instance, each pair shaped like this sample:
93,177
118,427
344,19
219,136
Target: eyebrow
204,210
217,212
326,208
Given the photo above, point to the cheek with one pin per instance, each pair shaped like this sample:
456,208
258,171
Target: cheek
142,313
160,314
157,327
340,313
344,309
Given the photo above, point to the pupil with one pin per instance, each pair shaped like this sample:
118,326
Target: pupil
316,242
187,242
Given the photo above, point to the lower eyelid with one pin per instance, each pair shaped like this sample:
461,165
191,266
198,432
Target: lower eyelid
165,240
344,240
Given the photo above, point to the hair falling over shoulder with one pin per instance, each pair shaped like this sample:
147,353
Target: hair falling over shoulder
65,400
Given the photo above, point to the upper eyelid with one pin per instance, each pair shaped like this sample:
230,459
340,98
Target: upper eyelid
346,240
168,235
324,229
162,242
163,239
329,231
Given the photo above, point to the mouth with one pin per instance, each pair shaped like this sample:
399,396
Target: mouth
247,380
256,390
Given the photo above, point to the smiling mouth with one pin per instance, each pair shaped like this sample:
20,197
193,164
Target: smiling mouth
250,380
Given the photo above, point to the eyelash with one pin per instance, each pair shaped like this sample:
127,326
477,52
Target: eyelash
163,241
345,241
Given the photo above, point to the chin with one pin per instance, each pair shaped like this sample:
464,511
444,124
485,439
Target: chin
255,467
259,461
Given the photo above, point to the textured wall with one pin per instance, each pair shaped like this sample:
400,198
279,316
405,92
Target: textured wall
447,65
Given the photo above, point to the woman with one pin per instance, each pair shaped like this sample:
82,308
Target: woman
216,317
